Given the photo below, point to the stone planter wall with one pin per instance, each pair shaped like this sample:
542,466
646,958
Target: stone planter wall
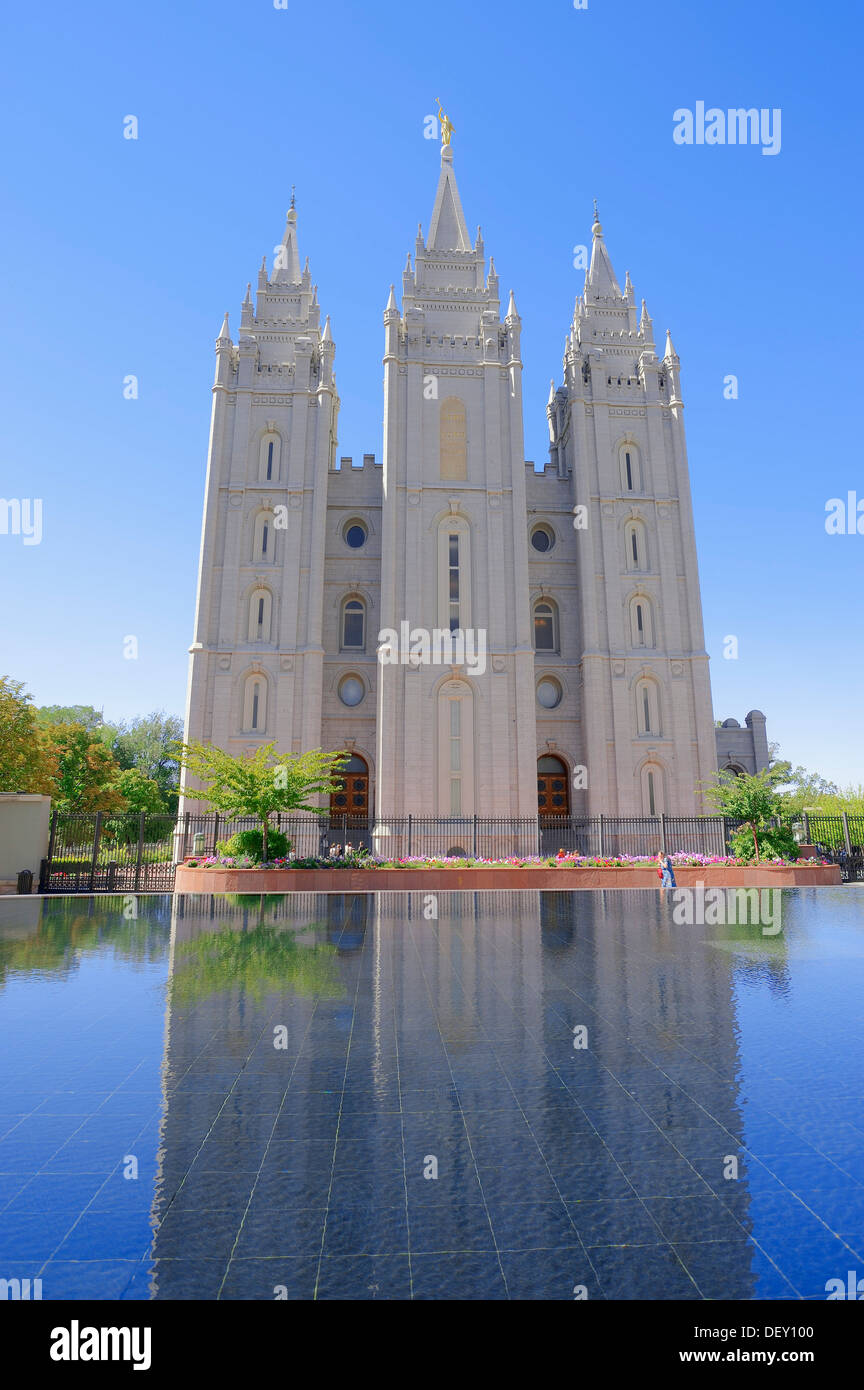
474,880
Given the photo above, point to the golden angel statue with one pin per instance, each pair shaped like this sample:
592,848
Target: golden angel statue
446,124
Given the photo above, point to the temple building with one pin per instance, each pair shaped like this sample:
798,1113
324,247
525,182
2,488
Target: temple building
481,637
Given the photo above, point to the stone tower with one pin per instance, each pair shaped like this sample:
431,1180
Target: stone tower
643,698
454,739
258,645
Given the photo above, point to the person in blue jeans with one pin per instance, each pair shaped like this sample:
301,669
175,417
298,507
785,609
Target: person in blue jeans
665,871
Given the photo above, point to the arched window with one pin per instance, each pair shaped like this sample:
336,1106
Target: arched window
653,790
260,608
454,574
545,626
641,622
268,457
630,468
255,704
647,707
264,538
353,626
553,788
635,547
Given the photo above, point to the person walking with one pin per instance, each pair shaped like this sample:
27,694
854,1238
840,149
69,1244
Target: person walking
665,871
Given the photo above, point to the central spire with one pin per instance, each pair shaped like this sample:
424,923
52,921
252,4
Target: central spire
448,231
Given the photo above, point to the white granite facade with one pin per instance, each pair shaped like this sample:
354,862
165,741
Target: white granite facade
577,588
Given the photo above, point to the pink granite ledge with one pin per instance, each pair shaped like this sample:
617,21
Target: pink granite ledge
475,880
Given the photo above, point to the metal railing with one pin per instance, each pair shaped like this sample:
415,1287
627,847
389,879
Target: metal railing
96,852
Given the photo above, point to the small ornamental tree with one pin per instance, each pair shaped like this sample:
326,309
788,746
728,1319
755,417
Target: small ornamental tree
261,783
754,800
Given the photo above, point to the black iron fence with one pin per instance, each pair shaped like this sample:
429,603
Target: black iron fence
100,852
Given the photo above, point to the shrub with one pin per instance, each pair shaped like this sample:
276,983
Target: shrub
775,842
251,844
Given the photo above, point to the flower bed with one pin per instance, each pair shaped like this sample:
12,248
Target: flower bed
360,872
358,859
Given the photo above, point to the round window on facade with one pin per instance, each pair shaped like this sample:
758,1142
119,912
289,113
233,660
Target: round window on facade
355,534
351,690
548,693
542,539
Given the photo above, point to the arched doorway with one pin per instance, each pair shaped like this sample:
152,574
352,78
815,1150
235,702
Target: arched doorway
553,790
350,802
352,796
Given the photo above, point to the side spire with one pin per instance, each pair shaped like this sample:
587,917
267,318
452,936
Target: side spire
600,282
286,270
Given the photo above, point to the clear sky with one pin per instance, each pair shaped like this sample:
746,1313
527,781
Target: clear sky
121,256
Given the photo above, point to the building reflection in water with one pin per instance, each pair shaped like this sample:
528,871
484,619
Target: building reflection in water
410,1025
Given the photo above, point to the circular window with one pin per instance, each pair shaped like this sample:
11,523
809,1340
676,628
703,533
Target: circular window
355,535
548,693
542,539
351,690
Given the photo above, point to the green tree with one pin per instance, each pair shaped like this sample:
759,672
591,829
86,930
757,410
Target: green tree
85,715
755,800
139,792
148,744
85,770
261,783
25,764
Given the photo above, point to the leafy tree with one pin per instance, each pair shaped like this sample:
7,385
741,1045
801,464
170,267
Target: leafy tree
754,800
139,792
85,770
85,715
148,744
261,783
25,763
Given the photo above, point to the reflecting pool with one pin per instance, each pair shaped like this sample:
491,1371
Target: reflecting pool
453,1096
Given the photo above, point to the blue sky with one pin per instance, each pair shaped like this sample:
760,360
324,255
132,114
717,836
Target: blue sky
121,256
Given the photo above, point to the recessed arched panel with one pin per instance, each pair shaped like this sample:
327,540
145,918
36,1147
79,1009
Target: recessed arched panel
641,622
260,615
264,538
269,457
456,749
647,707
254,715
453,440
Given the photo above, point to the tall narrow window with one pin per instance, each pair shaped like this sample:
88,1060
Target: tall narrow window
260,603
652,803
254,704
265,532
629,467
646,709
455,758
453,567
634,546
270,448
545,636
353,625
640,626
